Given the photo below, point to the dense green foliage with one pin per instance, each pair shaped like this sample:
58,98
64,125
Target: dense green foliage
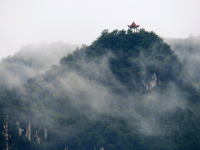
125,91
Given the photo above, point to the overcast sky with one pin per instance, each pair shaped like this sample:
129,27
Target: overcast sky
82,21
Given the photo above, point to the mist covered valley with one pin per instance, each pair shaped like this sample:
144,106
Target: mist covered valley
124,91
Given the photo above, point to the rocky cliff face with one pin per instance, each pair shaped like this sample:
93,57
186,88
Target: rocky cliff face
148,83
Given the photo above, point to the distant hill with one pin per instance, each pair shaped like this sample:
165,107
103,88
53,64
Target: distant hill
30,61
124,91
188,51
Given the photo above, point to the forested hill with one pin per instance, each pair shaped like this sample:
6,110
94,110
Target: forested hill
124,91
133,58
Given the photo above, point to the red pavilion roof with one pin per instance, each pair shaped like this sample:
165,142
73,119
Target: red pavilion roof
133,25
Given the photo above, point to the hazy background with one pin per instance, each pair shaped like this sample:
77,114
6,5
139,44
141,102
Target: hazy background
81,21
30,61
